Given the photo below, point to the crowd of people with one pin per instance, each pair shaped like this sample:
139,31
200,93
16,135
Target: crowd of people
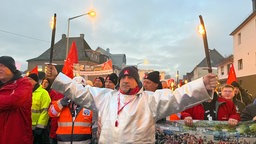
123,108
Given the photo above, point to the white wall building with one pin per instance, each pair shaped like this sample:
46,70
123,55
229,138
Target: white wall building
223,69
244,45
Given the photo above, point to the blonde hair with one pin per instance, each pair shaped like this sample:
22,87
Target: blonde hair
227,86
88,82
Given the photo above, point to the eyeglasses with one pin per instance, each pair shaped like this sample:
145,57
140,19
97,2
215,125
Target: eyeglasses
226,91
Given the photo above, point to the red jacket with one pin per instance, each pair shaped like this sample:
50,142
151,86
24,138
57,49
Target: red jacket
225,110
54,120
15,112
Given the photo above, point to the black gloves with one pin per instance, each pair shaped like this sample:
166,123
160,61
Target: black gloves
64,101
38,131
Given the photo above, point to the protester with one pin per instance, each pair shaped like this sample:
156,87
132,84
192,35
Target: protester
111,81
99,82
164,84
152,82
74,121
46,84
227,92
242,94
15,104
249,113
172,117
40,104
218,108
53,121
128,115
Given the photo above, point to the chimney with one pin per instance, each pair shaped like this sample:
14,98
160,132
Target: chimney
63,36
82,35
108,50
253,5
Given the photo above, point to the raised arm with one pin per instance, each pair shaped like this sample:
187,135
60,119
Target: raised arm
165,102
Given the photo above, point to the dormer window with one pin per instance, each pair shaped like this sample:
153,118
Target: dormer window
239,38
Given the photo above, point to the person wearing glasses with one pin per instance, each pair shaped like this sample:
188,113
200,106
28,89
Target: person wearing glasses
228,93
220,108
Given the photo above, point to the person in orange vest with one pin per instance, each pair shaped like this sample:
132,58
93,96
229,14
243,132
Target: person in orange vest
53,121
74,121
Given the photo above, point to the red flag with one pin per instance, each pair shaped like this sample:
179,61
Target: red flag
107,65
180,83
231,75
34,70
70,61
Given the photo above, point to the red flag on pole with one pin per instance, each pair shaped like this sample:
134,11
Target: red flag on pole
231,75
70,61
34,70
107,65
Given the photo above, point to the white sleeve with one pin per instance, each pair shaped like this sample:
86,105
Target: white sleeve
165,102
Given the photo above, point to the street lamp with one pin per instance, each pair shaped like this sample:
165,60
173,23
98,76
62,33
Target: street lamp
202,31
90,13
137,65
145,61
177,78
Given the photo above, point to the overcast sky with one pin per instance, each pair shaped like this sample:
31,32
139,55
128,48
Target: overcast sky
163,32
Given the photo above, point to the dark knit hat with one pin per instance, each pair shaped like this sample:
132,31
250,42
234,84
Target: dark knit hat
235,84
34,77
153,76
130,71
8,62
101,79
113,77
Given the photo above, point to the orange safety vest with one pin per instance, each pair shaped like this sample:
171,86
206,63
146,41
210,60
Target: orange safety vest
174,117
68,130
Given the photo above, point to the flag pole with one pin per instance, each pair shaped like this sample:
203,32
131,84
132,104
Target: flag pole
53,38
206,48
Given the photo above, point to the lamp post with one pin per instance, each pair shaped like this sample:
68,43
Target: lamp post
90,13
177,78
144,62
137,65
202,31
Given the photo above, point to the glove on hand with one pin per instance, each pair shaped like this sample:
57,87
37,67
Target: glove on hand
38,131
64,101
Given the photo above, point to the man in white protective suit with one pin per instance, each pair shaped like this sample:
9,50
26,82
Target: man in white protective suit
129,114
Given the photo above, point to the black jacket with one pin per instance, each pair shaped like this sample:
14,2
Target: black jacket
249,112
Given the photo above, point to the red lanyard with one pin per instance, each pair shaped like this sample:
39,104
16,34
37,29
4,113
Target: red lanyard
120,109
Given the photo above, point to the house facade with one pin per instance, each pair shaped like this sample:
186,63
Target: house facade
118,60
202,68
244,46
86,56
223,68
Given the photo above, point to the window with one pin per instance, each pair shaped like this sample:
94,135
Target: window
228,68
39,67
239,38
222,70
240,64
